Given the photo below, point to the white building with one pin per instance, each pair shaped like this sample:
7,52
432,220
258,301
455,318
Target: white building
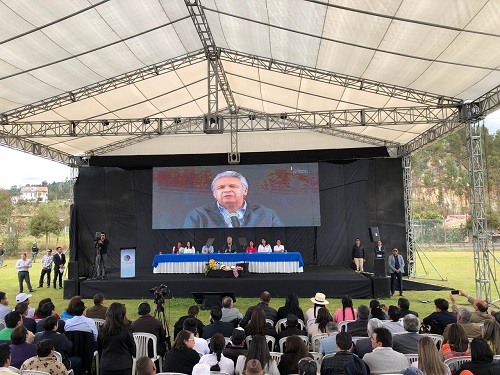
35,193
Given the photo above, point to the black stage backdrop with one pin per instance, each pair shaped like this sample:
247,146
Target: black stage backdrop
354,195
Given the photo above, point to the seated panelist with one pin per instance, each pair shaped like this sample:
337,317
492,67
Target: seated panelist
189,249
251,247
279,248
178,249
264,247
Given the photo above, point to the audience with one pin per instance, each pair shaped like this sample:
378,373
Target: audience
149,324
491,333
481,360
291,307
307,366
258,350
253,367
42,302
408,343
358,328
291,328
295,349
439,319
393,324
20,350
44,360
48,309
480,314
69,313
464,316
455,343
346,312
4,305
217,360
322,320
193,312
328,344
236,346
200,345
25,298
364,345
319,301
258,325
145,366
335,365
230,314
29,323
429,361
182,357
80,322
217,325
98,311
271,314
115,343
12,320
383,359
5,359
376,310
404,308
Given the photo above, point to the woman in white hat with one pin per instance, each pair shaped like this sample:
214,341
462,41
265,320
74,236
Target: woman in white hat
319,301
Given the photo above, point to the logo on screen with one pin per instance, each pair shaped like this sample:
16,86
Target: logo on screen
126,258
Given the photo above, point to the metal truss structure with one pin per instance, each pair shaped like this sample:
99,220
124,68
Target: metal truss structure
408,198
478,210
216,74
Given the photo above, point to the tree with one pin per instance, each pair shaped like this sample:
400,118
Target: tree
45,221
5,207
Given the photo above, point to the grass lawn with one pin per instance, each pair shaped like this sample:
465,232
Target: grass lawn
455,266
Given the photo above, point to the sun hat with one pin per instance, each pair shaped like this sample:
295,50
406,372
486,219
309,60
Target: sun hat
320,299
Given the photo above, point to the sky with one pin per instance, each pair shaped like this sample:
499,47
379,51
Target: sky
19,168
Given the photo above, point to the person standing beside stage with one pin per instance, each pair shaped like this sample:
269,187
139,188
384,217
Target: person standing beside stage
46,268
358,255
59,261
279,248
264,247
23,265
397,266
34,252
379,250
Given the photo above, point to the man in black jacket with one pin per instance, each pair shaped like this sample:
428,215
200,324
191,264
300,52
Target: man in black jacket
218,326
291,328
359,326
193,312
271,313
149,324
59,260
335,365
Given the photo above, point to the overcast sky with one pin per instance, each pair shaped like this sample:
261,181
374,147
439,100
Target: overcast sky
19,168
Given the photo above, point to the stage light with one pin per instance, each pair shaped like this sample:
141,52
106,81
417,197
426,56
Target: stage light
177,120
105,122
283,116
146,121
251,117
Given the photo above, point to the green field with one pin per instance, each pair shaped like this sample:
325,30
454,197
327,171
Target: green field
455,266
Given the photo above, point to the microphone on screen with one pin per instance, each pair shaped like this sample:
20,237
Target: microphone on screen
234,221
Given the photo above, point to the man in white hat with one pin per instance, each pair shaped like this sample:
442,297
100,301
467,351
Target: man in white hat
319,301
23,297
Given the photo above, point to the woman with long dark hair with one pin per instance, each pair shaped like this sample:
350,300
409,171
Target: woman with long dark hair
291,307
322,319
456,343
258,324
319,301
295,350
346,312
216,359
258,350
376,310
482,359
115,343
182,357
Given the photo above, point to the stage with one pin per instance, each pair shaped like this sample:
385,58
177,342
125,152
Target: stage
334,281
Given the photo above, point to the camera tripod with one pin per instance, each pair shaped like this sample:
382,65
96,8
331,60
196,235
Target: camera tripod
99,269
160,315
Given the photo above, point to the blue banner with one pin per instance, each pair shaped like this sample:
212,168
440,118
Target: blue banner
127,262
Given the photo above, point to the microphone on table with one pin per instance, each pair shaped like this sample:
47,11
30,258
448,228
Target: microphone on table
234,221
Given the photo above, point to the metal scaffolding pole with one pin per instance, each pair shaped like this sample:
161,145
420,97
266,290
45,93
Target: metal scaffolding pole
478,208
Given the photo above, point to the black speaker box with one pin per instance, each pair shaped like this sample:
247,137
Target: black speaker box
374,234
71,288
73,270
381,287
379,267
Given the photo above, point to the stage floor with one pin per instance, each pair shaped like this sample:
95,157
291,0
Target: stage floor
334,281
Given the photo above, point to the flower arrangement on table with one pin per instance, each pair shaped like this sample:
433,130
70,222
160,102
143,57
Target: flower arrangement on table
212,265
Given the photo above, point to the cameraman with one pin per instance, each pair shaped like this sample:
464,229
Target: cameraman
102,244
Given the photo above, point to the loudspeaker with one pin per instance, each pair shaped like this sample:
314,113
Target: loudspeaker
71,288
374,234
379,267
381,287
73,270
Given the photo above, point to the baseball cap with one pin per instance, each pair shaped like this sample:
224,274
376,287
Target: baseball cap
21,297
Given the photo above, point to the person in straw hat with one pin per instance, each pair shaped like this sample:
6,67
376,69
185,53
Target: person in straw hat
319,301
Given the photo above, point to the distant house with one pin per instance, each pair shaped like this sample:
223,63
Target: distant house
35,193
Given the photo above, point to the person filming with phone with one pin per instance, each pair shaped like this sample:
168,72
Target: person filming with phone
480,306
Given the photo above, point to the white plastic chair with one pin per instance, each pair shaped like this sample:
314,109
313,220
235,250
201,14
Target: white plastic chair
14,369
141,340
2,324
98,323
411,358
33,372
437,339
318,358
343,325
309,322
59,359
281,324
316,339
218,373
302,325
455,362
270,322
96,358
271,342
276,356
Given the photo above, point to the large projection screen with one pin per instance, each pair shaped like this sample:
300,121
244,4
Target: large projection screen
278,195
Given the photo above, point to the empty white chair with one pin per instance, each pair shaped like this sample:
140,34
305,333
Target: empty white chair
141,340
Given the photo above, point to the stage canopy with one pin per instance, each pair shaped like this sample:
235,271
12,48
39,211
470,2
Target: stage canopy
130,77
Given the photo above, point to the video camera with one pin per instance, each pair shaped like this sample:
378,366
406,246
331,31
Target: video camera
160,293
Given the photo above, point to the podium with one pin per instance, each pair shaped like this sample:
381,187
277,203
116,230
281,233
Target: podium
379,267
127,262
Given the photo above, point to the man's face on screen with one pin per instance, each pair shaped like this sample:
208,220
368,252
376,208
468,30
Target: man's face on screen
229,192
